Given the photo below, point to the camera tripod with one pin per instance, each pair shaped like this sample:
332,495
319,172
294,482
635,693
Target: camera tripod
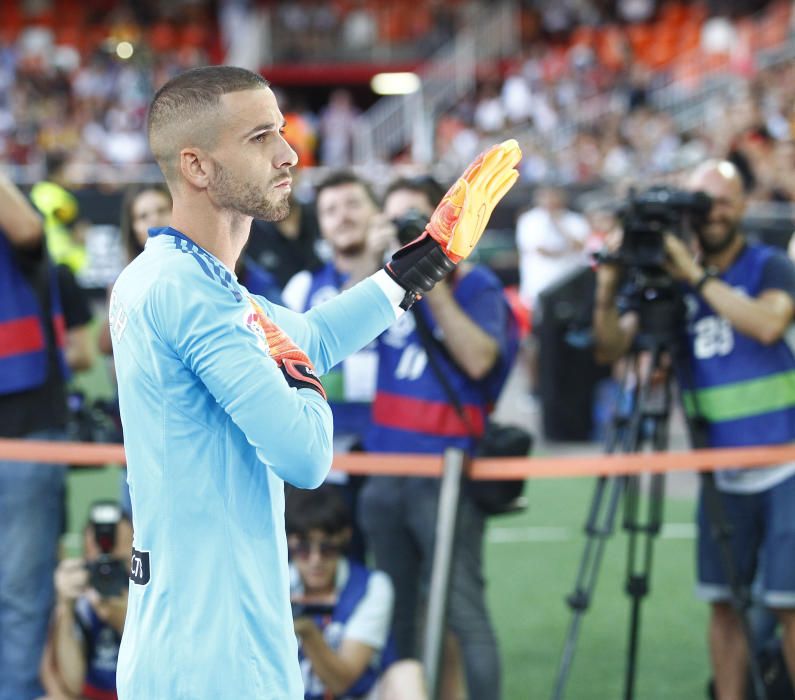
641,419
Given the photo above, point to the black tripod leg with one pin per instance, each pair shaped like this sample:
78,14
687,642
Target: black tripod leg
639,568
642,534
740,598
599,527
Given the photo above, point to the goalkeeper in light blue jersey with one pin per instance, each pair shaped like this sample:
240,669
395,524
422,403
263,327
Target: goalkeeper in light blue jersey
220,394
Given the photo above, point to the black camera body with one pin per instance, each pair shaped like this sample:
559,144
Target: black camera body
645,219
107,574
93,421
648,215
410,226
311,609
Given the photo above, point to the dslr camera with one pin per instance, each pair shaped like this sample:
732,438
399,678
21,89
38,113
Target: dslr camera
410,226
107,574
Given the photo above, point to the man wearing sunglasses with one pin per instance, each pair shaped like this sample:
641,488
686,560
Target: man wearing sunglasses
341,609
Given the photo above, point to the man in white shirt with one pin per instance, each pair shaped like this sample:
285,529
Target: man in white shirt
551,241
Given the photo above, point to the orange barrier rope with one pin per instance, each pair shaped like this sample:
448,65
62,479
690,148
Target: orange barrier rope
96,454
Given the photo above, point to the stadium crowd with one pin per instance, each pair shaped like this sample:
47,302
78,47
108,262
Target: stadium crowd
581,92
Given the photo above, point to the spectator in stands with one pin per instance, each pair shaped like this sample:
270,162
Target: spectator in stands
33,375
342,610
468,331
143,207
741,301
358,235
551,239
336,129
80,658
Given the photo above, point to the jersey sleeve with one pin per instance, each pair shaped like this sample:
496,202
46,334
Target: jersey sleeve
371,620
335,329
290,428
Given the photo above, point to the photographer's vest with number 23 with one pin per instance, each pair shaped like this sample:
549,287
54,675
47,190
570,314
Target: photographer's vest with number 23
23,338
744,389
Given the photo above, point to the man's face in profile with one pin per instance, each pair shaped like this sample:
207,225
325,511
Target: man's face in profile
252,159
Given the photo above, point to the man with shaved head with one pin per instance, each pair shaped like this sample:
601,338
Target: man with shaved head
739,376
220,390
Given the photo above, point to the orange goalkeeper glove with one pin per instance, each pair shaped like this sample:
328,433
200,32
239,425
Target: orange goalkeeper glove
290,359
458,222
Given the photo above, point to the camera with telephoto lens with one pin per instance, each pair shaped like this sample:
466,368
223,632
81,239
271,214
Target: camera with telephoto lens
645,218
410,226
107,574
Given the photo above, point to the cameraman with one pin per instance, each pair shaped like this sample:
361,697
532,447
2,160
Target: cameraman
81,653
342,610
737,369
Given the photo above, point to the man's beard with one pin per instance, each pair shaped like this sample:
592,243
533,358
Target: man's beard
711,247
246,198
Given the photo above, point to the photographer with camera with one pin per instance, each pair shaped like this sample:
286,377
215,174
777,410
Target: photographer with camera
462,330
43,329
80,657
736,374
342,610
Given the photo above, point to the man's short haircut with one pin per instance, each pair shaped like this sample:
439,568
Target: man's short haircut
316,509
337,178
422,184
181,111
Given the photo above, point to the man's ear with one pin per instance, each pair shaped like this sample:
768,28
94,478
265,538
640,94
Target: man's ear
196,167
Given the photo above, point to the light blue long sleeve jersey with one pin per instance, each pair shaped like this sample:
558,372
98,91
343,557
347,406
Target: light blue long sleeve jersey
212,431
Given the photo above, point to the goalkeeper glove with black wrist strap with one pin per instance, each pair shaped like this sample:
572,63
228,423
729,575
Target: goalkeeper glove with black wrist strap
457,224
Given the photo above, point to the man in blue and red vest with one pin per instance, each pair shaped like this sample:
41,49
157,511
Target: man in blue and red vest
737,373
32,405
472,340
